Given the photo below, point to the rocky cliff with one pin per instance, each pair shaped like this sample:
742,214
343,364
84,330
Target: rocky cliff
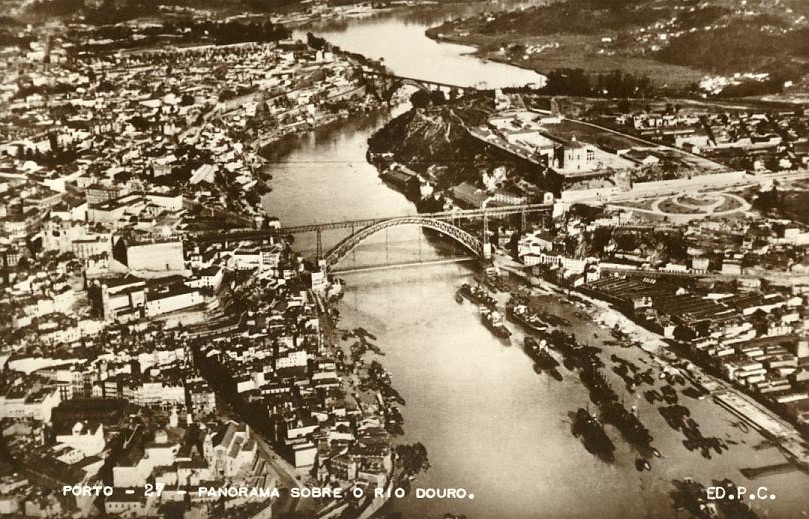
432,140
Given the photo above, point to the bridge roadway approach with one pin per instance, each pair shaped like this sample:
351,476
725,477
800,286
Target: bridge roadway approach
444,222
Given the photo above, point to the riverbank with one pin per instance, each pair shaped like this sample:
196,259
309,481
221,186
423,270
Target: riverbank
376,399
480,48
462,383
771,427
350,98
265,140
574,54
673,49
298,18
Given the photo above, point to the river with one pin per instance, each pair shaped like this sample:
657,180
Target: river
491,425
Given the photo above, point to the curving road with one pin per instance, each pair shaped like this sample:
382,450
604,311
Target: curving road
706,211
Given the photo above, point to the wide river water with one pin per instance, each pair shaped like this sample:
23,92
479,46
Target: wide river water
491,425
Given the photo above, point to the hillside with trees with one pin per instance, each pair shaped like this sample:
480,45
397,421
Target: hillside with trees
103,12
673,42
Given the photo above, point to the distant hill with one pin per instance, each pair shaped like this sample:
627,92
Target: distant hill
646,36
760,43
102,12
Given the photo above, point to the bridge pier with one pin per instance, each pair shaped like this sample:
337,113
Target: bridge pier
487,247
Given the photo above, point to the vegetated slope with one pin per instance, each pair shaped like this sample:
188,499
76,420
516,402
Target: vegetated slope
762,43
720,36
101,12
573,16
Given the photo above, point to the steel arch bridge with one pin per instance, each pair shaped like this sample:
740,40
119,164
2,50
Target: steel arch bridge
342,249
384,85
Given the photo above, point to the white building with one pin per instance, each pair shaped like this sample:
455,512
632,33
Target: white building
233,449
534,243
85,437
291,359
163,256
37,405
172,301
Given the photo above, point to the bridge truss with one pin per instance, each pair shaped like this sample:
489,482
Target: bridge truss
348,244
383,85
446,222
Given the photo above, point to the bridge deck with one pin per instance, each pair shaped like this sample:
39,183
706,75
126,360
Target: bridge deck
415,80
254,234
445,215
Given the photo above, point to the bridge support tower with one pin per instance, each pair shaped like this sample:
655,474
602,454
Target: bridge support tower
487,246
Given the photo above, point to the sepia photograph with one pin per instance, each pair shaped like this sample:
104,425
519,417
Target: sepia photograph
404,259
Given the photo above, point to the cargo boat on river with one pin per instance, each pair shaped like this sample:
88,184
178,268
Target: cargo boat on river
522,315
478,295
494,322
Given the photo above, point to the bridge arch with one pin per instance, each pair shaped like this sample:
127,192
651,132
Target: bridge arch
412,82
385,85
394,84
342,249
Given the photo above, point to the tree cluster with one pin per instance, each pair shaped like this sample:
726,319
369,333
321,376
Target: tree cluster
316,42
576,82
